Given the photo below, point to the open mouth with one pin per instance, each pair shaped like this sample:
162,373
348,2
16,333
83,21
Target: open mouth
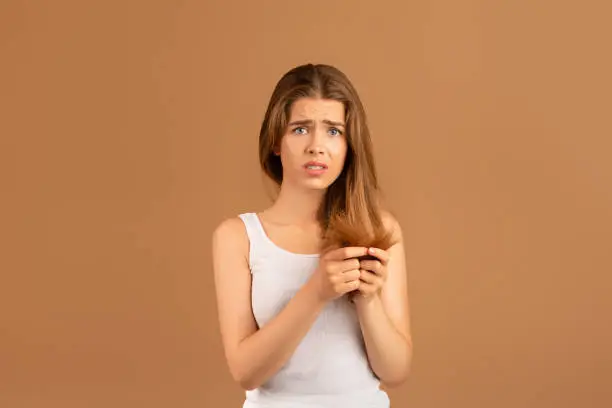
315,169
314,165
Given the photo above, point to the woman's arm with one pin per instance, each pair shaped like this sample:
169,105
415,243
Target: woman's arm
254,355
385,321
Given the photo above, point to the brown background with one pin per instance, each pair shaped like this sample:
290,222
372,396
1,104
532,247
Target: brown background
129,131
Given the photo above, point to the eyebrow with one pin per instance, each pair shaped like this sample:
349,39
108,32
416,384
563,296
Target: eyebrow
309,122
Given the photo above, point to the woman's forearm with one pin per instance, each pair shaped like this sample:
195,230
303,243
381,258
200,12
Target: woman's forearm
262,354
389,352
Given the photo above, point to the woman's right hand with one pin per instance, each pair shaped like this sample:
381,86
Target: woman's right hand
338,272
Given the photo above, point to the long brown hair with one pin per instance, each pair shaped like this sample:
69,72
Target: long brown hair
350,214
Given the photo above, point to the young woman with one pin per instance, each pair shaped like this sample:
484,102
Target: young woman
311,292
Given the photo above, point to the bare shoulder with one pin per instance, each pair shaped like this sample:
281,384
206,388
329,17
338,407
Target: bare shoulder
391,224
230,228
230,248
231,234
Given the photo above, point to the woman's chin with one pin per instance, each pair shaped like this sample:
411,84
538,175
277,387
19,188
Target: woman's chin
311,184
316,184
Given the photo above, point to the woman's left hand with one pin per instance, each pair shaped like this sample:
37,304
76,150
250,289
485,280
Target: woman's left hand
373,274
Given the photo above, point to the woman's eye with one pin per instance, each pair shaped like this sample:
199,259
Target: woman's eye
335,132
299,130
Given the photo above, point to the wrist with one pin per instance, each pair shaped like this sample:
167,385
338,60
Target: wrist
363,303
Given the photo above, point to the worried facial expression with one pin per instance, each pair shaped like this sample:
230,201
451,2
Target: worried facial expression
314,146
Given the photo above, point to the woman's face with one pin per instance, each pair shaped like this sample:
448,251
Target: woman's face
313,147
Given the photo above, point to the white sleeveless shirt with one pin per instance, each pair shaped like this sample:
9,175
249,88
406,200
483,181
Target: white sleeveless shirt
329,368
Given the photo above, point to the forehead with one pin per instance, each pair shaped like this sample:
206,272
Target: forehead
317,109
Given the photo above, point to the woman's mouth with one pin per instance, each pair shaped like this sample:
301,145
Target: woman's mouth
315,168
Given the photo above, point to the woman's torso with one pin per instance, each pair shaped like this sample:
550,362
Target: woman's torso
329,368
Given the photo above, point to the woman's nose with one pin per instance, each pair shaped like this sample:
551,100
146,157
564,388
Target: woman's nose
315,150
316,143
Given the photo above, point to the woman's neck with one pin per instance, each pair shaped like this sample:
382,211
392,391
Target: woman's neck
297,206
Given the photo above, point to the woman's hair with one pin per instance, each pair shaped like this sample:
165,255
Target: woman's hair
350,214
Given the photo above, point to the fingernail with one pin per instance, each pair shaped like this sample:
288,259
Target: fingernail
372,250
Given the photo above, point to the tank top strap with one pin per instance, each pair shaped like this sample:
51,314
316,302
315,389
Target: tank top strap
256,234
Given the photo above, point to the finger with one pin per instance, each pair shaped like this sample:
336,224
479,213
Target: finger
367,289
348,286
341,254
373,266
338,267
349,265
368,277
347,276
382,255
351,275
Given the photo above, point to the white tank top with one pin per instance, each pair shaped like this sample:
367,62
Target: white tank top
329,368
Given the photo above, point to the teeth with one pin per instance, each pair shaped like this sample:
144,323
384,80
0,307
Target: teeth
316,167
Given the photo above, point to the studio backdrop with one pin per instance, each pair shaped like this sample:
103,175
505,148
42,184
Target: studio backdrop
128,132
